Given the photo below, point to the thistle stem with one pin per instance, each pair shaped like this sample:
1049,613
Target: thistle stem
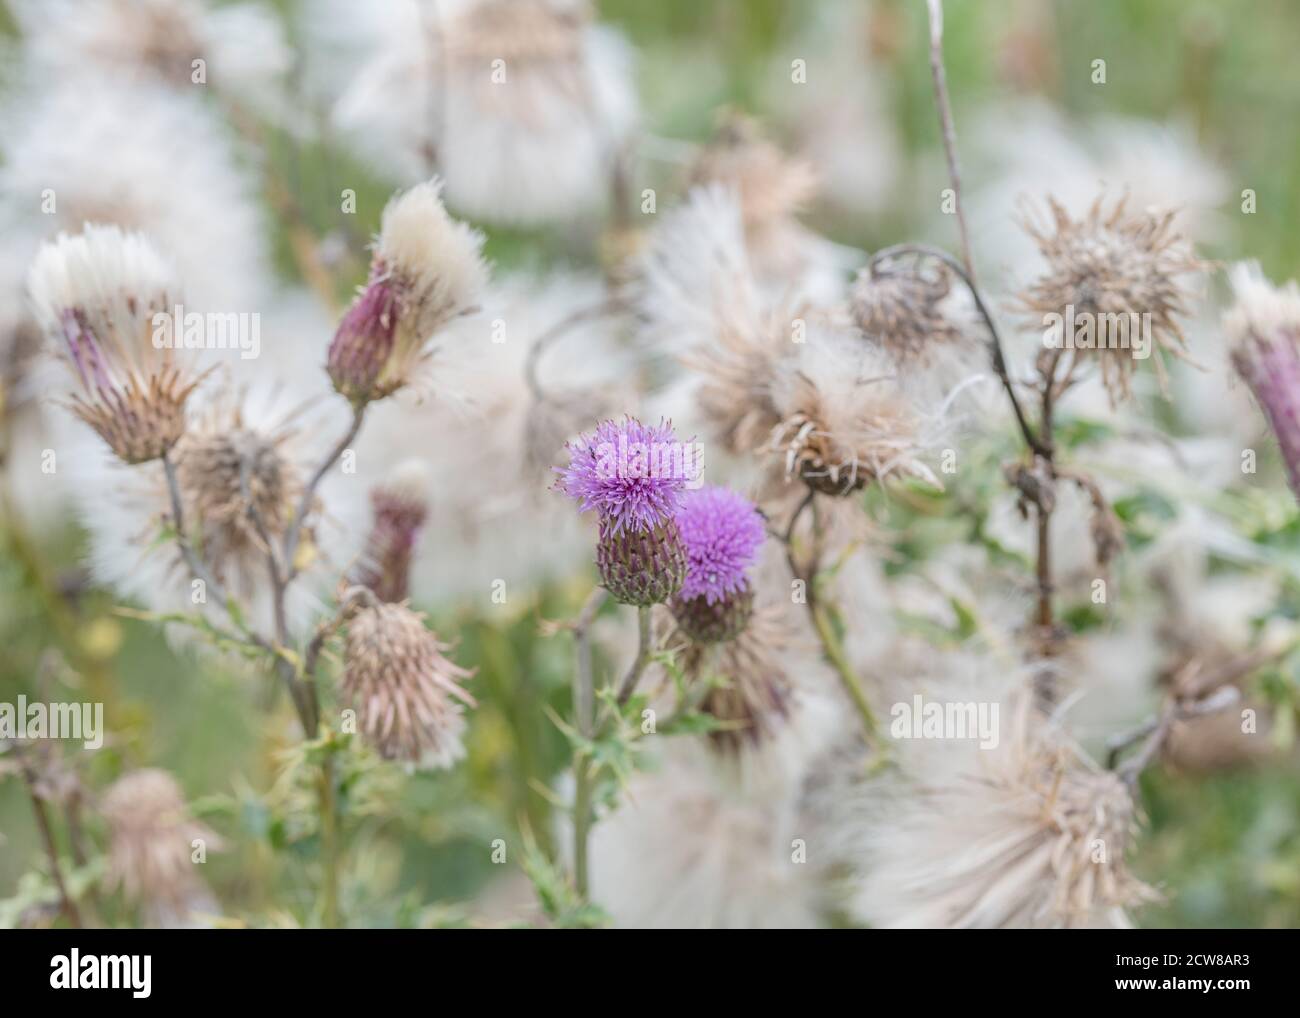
822,620
68,906
329,844
584,708
634,673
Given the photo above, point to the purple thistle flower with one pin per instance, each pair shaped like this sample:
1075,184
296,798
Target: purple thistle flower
722,532
631,474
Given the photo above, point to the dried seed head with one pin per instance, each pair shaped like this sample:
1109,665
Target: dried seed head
735,393
151,835
1027,833
1110,266
845,419
404,690
535,32
772,187
426,270
223,470
1263,328
96,295
901,308
400,508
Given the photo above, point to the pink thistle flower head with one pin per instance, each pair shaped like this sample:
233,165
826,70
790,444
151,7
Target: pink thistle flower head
631,474
722,532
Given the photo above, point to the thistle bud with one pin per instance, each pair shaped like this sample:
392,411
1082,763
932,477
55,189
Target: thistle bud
641,567
400,509
96,295
426,270
1263,327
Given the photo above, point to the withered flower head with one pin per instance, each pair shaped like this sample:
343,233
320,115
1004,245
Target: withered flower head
771,186
845,421
1121,277
900,306
151,836
224,468
404,690
96,295
1027,833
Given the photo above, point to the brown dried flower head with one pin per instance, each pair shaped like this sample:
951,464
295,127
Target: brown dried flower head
901,308
224,469
772,187
151,839
404,690
845,421
1118,268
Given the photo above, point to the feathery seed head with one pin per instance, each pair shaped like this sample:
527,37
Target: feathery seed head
150,838
95,294
427,269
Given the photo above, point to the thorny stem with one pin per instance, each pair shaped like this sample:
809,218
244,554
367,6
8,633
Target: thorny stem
329,827
51,849
283,570
584,705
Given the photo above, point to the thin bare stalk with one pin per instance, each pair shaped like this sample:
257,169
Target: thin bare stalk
940,77
605,308
822,619
643,647
68,906
293,532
